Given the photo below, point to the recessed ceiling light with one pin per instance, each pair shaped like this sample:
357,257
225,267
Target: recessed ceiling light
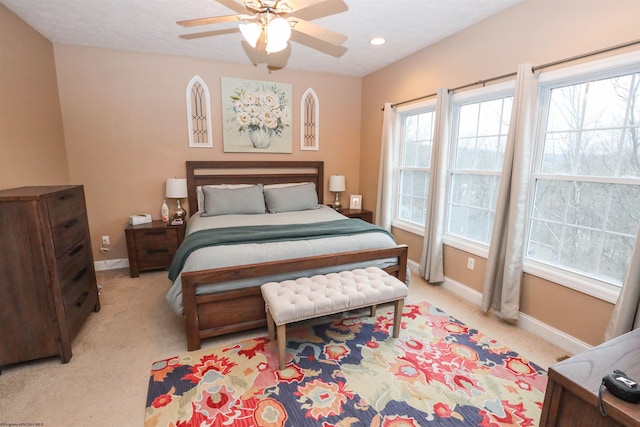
377,41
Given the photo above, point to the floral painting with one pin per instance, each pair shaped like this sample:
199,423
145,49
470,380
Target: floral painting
256,116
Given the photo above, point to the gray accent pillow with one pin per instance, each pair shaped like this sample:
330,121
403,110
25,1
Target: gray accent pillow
293,198
227,201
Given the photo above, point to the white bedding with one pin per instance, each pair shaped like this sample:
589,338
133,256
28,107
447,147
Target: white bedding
230,255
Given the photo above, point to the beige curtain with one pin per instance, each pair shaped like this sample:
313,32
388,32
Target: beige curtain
431,263
626,313
384,204
503,275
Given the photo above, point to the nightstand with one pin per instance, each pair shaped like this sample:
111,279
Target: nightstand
152,246
363,214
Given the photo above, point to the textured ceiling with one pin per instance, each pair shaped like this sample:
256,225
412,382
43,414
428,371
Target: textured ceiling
150,26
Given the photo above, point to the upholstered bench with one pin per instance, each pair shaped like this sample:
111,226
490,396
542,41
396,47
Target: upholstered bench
310,297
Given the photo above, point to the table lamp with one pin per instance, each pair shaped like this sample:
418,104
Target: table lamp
177,189
337,185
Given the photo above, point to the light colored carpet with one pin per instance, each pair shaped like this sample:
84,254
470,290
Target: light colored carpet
105,383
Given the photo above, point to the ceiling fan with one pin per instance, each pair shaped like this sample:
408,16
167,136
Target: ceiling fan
267,25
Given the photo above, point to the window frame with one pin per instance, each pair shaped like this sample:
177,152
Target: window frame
594,70
486,93
428,106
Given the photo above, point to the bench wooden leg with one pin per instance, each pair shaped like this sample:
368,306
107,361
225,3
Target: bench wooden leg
397,317
270,325
373,311
282,345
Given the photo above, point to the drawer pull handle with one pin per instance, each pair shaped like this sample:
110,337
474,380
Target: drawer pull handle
80,274
155,232
81,299
70,224
157,251
75,250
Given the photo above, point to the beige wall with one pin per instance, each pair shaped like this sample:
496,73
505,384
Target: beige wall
125,125
32,150
534,31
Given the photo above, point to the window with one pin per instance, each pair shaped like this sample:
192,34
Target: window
586,181
479,139
416,140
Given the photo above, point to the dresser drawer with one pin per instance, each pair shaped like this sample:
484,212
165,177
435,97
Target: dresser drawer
75,266
79,301
65,207
67,235
157,238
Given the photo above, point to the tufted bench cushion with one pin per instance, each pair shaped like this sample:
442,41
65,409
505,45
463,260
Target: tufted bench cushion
310,297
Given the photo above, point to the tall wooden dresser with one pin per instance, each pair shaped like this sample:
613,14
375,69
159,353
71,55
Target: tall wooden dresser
47,278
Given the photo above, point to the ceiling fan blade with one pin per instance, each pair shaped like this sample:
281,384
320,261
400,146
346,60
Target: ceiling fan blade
233,5
211,20
320,9
297,5
316,31
209,33
319,45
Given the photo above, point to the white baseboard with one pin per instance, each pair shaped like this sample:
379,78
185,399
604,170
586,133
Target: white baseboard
561,339
111,264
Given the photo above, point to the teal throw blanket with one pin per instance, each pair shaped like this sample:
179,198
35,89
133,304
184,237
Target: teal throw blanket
267,234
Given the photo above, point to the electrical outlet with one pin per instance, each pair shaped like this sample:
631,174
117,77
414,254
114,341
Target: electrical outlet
105,240
471,263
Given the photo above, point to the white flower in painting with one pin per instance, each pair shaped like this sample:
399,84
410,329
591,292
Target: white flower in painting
269,101
253,110
243,118
269,120
285,115
250,98
263,107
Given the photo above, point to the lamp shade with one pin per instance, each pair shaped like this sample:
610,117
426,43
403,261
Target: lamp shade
278,33
336,183
251,32
176,188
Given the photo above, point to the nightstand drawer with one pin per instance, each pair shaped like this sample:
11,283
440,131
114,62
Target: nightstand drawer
157,238
152,246
155,258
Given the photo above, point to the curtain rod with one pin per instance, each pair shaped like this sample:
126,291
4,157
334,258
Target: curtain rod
536,68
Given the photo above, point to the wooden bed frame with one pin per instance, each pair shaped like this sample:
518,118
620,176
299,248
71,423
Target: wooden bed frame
224,312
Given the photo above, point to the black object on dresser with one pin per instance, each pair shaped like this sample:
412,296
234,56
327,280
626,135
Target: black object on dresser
47,278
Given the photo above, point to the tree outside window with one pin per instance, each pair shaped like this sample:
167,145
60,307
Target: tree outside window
586,201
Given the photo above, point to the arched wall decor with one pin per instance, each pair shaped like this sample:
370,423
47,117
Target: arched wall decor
199,113
310,121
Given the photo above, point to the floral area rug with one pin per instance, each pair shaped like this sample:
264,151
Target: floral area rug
351,372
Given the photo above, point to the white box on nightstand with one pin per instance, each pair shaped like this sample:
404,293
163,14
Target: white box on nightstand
139,219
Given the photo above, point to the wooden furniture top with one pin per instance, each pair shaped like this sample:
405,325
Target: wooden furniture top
582,374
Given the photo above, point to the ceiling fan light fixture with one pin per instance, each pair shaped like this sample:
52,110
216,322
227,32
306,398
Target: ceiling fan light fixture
278,33
251,32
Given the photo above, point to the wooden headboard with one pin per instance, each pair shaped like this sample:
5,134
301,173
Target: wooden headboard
252,172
